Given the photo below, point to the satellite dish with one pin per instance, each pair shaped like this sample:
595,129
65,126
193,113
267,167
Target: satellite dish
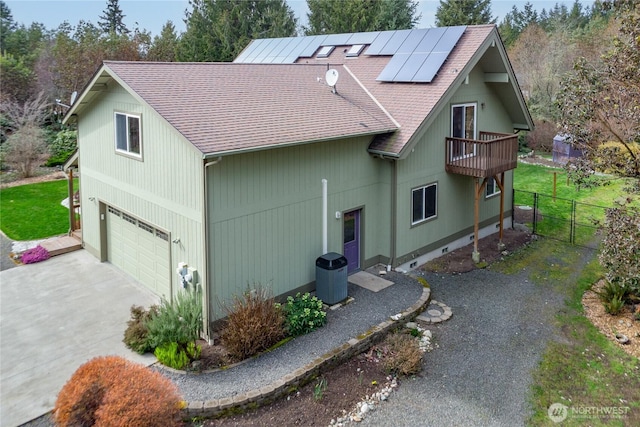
331,77
74,95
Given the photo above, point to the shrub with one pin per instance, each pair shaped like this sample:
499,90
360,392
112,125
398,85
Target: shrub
136,334
303,314
179,321
254,323
34,255
62,146
111,391
172,355
401,354
613,295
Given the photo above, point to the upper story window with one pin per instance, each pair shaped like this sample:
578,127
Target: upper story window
463,125
424,203
128,134
492,188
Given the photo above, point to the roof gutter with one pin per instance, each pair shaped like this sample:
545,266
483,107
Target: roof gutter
217,154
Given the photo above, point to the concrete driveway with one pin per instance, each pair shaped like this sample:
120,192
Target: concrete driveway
54,316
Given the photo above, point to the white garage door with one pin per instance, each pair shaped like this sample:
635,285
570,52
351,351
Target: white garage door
139,249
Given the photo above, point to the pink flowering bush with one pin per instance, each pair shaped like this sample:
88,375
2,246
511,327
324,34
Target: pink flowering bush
36,254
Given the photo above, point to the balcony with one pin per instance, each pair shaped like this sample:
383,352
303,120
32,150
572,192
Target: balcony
489,156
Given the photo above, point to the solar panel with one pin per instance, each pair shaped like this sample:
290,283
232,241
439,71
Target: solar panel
363,38
392,68
314,44
420,56
417,55
337,39
449,39
379,42
286,51
250,50
394,43
261,56
410,67
429,42
413,39
275,50
431,66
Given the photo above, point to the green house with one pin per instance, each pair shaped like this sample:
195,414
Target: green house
388,147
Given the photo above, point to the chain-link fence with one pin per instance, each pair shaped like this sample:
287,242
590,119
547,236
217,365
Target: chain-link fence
562,219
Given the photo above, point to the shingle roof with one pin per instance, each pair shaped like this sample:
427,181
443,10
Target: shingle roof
410,104
226,107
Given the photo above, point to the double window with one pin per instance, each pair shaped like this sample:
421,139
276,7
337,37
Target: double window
424,203
128,134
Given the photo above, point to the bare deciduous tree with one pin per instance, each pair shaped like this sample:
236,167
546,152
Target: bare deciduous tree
26,147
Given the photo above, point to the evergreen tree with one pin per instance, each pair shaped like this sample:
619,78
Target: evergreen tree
7,25
352,16
111,20
165,46
464,12
218,30
515,22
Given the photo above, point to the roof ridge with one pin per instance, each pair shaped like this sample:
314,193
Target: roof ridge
370,95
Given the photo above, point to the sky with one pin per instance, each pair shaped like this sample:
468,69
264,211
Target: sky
151,15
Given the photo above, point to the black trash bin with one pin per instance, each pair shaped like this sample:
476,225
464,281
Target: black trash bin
331,278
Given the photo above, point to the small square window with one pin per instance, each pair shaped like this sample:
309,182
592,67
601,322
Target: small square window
424,203
492,188
128,134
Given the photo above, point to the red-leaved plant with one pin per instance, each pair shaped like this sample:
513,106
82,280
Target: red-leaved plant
114,392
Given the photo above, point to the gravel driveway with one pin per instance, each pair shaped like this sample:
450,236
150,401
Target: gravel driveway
481,372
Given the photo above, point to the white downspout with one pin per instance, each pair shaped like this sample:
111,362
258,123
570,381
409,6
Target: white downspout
324,217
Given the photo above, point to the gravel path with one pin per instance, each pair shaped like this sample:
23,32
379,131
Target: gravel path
481,373
368,309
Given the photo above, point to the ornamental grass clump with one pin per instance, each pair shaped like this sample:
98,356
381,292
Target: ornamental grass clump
401,354
254,324
112,391
34,255
303,314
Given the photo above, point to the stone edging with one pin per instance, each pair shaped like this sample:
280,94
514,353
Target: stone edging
285,385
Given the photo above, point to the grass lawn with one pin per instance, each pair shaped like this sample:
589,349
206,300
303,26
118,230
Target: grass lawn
582,369
33,211
590,206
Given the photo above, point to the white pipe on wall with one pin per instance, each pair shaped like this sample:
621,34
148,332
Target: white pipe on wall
324,217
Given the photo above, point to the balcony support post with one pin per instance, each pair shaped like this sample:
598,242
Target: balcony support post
479,190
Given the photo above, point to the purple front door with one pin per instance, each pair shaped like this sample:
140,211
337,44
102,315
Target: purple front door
352,240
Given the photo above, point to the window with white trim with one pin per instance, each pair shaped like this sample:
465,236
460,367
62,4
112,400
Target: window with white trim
463,125
492,188
424,203
128,134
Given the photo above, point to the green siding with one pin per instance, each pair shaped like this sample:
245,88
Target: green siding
165,189
426,164
266,212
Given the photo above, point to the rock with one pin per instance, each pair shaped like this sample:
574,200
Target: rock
411,325
364,409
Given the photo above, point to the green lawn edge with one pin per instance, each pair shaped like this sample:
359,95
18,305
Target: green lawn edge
34,211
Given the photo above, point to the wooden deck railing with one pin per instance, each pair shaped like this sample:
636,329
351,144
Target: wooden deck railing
490,155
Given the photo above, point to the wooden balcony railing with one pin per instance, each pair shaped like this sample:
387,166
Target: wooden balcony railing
488,156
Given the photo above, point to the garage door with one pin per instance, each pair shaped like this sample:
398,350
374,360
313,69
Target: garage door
140,250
